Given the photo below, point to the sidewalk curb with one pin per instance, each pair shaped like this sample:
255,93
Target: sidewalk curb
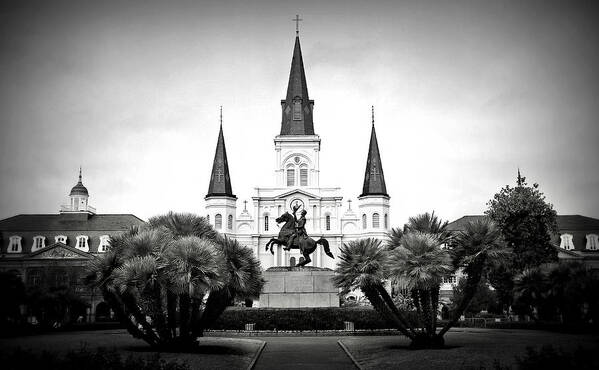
256,356
351,357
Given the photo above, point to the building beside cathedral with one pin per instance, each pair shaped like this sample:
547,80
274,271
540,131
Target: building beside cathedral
50,251
297,174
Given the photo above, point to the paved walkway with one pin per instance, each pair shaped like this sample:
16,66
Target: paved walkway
302,353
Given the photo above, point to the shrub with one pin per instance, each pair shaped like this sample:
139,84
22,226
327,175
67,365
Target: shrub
330,318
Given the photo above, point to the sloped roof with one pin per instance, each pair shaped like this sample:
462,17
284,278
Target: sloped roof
564,222
374,179
220,180
297,88
62,222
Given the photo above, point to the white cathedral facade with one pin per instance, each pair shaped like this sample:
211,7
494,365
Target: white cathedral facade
297,171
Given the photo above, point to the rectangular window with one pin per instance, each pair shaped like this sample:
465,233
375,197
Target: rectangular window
290,177
303,177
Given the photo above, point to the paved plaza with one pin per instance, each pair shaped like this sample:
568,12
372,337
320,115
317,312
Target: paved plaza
467,349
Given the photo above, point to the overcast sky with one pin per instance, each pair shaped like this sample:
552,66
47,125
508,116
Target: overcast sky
465,92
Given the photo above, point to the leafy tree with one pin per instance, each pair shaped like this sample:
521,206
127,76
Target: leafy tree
484,299
156,278
526,222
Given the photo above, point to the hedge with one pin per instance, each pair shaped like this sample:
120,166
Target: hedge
329,318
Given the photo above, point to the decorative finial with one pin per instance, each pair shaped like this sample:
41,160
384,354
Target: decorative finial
349,204
372,107
245,205
221,115
521,180
80,174
297,19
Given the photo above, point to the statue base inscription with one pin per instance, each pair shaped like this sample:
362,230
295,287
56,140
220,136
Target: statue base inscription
294,287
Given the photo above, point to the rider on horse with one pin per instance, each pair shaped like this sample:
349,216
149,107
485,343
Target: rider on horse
300,229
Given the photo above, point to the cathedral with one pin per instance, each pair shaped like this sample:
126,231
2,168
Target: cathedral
297,172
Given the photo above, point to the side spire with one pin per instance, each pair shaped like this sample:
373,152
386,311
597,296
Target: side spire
374,179
220,180
297,107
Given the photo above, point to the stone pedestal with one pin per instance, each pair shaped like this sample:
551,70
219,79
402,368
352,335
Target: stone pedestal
294,287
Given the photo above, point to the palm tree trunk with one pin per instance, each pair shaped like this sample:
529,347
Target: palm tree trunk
379,305
215,305
118,307
184,306
159,313
171,309
389,301
435,305
472,282
131,304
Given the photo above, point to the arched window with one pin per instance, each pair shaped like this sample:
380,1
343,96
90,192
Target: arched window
364,224
290,176
566,242
39,242
303,175
60,239
375,221
218,221
230,222
266,223
386,221
292,261
592,242
328,222
302,259
104,243
14,244
82,243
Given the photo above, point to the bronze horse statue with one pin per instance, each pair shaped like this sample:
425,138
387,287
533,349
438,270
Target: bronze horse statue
306,245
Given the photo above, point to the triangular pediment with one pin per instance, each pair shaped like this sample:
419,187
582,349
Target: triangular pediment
59,250
296,192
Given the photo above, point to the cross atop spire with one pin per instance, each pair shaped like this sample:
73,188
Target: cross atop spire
297,19
221,115
80,178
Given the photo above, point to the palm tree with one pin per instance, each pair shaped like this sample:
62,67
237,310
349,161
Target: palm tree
419,265
156,278
429,223
476,249
244,281
530,289
363,265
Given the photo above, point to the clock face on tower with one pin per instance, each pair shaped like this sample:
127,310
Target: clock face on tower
297,202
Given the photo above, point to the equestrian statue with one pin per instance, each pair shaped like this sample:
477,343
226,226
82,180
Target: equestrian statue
293,236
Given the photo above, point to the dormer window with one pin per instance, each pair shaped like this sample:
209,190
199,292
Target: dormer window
592,242
60,239
39,242
82,243
297,109
14,244
566,242
104,244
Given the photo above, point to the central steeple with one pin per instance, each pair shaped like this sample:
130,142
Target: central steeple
297,107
